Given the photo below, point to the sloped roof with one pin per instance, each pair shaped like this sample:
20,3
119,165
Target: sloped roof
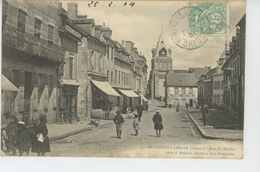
210,75
199,71
180,71
181,79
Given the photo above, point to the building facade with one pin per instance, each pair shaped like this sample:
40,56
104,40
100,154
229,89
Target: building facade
160,64
68,83
217,79
32,54
234,73
95,67
181,88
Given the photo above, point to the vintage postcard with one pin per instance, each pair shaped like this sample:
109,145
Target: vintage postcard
139,79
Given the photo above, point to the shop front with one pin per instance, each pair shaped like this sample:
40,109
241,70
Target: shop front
104,99
68,93
130,99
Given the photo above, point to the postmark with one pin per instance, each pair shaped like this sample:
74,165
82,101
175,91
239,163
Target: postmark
180,30
208,17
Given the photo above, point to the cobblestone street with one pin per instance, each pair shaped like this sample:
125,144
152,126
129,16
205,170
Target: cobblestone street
179,131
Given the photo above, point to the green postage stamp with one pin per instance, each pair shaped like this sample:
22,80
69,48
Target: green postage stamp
208,18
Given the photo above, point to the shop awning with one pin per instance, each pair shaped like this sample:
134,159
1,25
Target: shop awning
8,85
129,93
69,82
106,88
145,99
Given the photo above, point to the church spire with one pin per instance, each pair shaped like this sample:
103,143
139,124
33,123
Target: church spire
161,44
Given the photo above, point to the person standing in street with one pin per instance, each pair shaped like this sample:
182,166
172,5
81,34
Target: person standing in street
41,144
25,135
11,131
118,120
146,106
178,107
187,106
108,110
139,109
205,113
157,120
136,125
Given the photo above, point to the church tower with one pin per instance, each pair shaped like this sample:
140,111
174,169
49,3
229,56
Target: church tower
160,64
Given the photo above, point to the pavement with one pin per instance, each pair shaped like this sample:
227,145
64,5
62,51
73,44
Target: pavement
214,130
59,131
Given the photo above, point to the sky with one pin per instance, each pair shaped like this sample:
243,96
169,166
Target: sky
142,24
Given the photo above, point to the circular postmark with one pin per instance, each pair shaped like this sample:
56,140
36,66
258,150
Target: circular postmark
180,30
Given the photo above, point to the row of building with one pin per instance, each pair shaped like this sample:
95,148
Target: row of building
221,87
64,64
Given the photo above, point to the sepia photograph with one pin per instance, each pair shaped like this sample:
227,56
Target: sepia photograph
123,79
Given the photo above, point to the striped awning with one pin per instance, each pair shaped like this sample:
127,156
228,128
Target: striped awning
106,88
129,93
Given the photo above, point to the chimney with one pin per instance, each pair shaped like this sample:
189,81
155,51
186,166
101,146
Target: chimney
107,32
123,43
98,31
72,10
128,46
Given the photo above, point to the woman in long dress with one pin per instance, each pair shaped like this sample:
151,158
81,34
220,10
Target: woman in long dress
41,144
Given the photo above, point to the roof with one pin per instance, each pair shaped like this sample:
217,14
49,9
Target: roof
110,41
199,71
210,75
180,71
181,79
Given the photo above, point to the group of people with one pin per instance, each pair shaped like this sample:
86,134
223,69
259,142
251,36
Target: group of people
157,120
22,138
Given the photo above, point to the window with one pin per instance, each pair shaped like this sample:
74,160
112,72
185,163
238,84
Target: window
37,27
122,77
21,24
176,90
50,33
187,91
108,52
108,75
163,52
190,91
179,91
119,77
92,60
183,91
100,64
70,67
112,53
112,79
115,76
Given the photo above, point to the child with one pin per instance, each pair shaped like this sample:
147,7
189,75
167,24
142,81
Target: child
4,140
136,124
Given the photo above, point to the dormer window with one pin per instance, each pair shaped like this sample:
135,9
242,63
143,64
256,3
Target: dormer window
163,52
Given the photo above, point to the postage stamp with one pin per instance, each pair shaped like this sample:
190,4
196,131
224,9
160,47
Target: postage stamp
181,32
208,17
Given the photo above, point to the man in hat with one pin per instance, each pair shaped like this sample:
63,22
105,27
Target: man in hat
136,124
118,120
205,113
157,120
139,109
